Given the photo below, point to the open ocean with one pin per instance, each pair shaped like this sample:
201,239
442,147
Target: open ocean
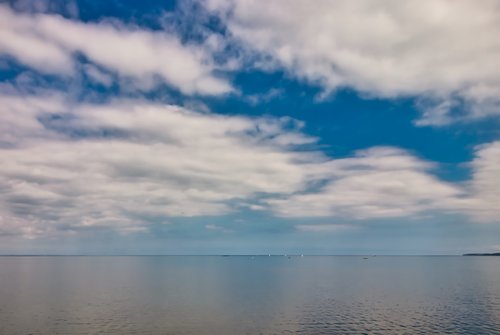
249,295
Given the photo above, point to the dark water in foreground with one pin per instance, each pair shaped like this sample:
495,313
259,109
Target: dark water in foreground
245,295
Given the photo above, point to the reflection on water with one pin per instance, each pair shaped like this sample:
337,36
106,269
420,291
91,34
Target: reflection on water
249,295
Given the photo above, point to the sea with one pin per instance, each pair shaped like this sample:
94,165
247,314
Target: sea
249,295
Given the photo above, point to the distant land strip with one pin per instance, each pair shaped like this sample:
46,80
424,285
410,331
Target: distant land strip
485,254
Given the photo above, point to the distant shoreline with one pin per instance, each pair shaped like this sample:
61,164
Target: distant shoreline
484,254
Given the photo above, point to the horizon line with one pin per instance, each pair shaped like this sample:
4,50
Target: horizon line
227,255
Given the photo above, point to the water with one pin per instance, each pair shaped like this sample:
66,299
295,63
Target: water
249,295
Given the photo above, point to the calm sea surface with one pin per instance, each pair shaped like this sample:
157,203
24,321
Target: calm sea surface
249,295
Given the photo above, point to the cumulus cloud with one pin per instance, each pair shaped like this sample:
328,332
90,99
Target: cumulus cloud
390,182
49,44
19,115
484,186
127,163
446,50
375,183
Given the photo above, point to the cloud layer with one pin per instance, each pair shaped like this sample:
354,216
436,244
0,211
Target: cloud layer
51,44
447,51
125,164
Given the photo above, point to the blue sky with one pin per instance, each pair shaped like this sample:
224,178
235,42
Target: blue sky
219,127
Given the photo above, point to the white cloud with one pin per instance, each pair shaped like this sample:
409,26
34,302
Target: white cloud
484,186
389,182
19,114
447,50
376,183
48,44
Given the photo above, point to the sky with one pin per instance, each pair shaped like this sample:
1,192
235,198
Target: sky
249,127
